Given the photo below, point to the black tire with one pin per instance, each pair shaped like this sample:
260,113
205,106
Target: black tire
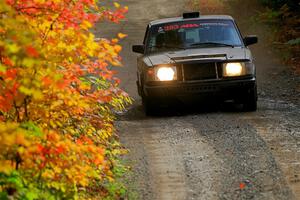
250,102
139,88
149,106
147,102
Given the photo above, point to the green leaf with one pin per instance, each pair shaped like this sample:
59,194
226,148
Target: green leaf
2,68
3,196
294,41
31,195
32,128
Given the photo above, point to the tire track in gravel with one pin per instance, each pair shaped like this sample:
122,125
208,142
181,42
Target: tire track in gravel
245,156
279,126
180,164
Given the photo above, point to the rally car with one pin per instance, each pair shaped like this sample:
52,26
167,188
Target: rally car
196,56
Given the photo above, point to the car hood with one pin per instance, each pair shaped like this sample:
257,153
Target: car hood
218,54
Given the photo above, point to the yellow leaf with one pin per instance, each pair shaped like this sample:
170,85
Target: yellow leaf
48,174
86,25
118,48
37,95
115,40
41,1
122,35
6,166
13,48
28,62
57,169
52,124
20,139
83,182
117,5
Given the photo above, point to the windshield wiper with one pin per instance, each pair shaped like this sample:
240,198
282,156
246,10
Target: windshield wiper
167,46
212,43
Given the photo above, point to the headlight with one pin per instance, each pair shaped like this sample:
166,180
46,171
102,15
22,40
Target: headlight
163,73
238,69
233,69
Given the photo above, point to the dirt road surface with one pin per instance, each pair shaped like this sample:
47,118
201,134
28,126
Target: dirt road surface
215,153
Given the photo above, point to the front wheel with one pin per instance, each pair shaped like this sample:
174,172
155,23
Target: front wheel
250,102
149,106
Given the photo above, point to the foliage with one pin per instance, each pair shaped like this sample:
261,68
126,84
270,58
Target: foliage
57,98
284,15
285,18
294,41
208,6
277,4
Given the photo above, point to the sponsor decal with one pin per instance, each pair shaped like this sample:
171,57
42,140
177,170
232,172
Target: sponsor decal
186,26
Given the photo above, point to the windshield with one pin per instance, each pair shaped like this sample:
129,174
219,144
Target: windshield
193,34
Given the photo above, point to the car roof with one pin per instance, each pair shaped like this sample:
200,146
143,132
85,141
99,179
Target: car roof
181,19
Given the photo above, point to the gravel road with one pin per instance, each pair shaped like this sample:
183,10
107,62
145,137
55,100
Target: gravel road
213,153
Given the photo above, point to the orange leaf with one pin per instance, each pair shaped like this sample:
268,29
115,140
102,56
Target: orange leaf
117,48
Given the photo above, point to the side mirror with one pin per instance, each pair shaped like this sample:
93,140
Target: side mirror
138,48
251,39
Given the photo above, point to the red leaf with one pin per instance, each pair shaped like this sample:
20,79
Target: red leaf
79,142
7,61
32,52
40,148
11,74
242,186
47,81
60,150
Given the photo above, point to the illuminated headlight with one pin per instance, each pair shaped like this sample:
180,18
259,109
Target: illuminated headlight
238,69
233,69
166,73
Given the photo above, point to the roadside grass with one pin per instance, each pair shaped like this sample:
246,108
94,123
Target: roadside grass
120,188
131,192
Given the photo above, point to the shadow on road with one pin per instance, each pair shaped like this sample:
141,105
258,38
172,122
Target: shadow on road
136,112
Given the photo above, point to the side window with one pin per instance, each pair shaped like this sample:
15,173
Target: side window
153,40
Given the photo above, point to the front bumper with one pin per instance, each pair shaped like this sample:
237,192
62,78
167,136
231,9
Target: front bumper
225,89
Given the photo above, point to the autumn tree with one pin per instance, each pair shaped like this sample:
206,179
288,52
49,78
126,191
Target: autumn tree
57,99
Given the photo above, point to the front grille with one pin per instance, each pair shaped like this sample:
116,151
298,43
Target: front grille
199,71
